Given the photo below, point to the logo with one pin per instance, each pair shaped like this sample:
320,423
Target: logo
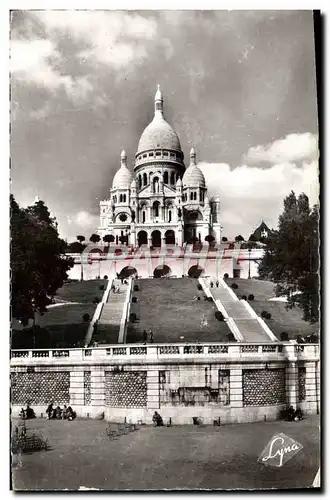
279,450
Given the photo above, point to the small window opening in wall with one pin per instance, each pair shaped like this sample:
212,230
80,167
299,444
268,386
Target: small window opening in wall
158,153
145,156
30,369
150,155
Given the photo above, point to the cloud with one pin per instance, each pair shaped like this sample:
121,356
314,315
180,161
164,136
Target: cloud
293,148
86,220
33,61
249,194
115,39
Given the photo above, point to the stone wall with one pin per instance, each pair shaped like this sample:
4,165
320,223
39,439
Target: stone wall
230,382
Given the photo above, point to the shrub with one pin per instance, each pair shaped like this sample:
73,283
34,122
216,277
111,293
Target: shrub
199,287
284,337
105,277
231,337
234,286
136,288
264,314
198,298
101,287
243,297
96,300
219,316
268,316
134,300
210,299
132,317
225,276
251,296
86,317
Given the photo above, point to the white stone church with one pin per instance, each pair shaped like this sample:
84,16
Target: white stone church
162,202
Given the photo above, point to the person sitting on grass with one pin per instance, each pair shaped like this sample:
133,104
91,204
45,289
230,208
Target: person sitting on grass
64,412
49,411
58,413
22,413
71,414
29,412
291,414
298,415
157,420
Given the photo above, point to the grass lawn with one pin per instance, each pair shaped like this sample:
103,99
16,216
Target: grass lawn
182,457
282,320
166,307
61,326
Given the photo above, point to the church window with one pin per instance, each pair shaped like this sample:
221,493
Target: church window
140,181
145,156
145,179
151,155
191,196
177,177
195,196
165,153
123,217
156,184
158,153
143,216
120,198
165,177
169,216
172,178
156,209
172,155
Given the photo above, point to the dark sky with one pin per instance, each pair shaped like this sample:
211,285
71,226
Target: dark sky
239,86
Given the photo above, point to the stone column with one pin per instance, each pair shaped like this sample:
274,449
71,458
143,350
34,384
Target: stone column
97,391
163,241
311,387
153,389
76,389
236,388
291,384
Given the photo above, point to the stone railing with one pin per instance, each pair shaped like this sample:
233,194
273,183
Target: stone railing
165,352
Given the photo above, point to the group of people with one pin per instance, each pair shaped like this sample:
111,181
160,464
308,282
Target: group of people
58,414
216,284
148,336
28,413
294,415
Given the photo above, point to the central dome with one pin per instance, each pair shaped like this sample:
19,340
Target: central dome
159,134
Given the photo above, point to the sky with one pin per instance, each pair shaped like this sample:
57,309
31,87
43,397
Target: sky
239,86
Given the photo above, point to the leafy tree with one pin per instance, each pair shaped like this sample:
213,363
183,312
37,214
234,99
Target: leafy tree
291,257
209,238
75,247
38,267
95,238
108,238
224,239
239,238
81,238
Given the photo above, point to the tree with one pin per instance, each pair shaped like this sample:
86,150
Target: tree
224,239
239,238
75,247
81,238
38,267
209,238
291,257
108,238
95,238
252,237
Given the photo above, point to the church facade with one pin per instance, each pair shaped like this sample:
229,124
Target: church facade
161,201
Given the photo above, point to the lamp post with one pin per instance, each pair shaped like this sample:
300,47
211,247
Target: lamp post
249,250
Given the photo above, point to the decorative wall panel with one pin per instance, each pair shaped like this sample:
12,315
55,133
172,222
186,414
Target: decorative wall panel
126,389
182,390
301,384
263,387
40,388
87,388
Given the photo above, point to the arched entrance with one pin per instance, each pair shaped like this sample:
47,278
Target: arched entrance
195,271
170,237
156,238
161,271
142,238
127,271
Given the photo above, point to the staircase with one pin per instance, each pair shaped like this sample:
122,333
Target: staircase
109,323
251,328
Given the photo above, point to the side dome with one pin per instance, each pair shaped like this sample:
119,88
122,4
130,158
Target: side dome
159,134
123,177
193,177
